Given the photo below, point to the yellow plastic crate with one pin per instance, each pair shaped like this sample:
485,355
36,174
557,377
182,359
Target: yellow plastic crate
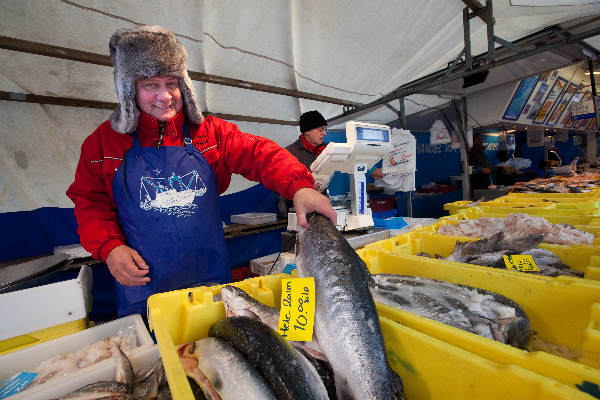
562,311
430,368
578,257
458,206
42,335
553,216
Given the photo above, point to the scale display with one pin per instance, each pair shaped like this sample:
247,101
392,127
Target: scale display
372,134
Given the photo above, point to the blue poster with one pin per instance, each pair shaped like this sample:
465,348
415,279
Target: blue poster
520,98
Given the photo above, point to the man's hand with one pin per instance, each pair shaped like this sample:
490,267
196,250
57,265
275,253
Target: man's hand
377,173
127,266
307,200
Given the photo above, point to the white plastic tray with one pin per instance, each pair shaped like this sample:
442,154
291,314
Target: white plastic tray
30,357
142,359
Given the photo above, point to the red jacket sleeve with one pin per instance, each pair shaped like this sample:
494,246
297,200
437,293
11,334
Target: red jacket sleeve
260,159
95,210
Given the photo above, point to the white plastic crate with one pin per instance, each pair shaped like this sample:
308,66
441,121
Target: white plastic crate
253,218
30,357
40,307
142,359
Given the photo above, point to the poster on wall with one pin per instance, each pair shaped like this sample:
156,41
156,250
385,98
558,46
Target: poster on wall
567,119
439,133
520,98
562,104
537,100
553,95
535,139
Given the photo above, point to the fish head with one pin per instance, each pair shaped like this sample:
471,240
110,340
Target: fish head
237,302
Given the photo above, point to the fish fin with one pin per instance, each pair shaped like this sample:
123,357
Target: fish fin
124,372
341,388
397,386
313,350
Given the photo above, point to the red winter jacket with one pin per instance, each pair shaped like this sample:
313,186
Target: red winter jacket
223,145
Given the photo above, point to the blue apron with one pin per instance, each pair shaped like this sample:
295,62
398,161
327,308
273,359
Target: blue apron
167,202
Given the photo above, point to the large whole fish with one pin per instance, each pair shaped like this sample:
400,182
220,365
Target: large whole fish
239,303
489,252
468,308
289,374
221,372
346,322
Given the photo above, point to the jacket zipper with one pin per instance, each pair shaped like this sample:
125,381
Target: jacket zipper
161,130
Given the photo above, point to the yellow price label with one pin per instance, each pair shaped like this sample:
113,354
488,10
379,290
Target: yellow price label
520,262
297,315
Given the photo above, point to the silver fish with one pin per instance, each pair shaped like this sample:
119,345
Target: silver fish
224,374
468,308
346,322
489,252
288,373
238,303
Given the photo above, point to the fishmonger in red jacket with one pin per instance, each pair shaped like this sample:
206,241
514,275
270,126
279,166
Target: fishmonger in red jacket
148,179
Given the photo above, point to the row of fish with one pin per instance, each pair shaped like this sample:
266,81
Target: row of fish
346,358
474,310
148,385
490,252
518,225
578,183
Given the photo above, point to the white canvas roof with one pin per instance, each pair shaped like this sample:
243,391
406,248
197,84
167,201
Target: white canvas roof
351,50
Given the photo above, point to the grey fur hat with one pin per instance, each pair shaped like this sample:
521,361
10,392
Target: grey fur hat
142,52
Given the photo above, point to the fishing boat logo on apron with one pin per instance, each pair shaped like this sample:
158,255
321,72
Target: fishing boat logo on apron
174,195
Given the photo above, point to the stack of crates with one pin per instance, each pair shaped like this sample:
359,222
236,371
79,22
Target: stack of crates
433,360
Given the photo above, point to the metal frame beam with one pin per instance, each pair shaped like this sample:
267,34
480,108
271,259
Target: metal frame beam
25,46
105,105
537,43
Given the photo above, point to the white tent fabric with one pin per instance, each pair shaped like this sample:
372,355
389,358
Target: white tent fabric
354,50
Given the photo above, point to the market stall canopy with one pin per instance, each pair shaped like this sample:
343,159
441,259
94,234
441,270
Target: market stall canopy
350,52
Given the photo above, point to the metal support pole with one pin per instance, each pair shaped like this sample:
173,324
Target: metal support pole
402,115
490,31
464,155
590,140
594,95
467,34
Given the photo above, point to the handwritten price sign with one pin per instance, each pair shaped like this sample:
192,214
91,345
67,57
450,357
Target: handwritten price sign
523,263
297,315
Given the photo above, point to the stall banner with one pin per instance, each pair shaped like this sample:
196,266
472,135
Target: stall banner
439,133
535,139
548,103
562,104
583,110
520,98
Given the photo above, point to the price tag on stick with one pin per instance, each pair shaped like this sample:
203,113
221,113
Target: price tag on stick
520,262
297,315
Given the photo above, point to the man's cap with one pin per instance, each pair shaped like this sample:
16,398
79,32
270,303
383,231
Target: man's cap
311,120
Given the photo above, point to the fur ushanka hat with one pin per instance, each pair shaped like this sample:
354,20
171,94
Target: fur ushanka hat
142,52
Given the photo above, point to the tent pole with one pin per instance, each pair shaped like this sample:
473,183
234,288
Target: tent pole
590,140
464,155
402,115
